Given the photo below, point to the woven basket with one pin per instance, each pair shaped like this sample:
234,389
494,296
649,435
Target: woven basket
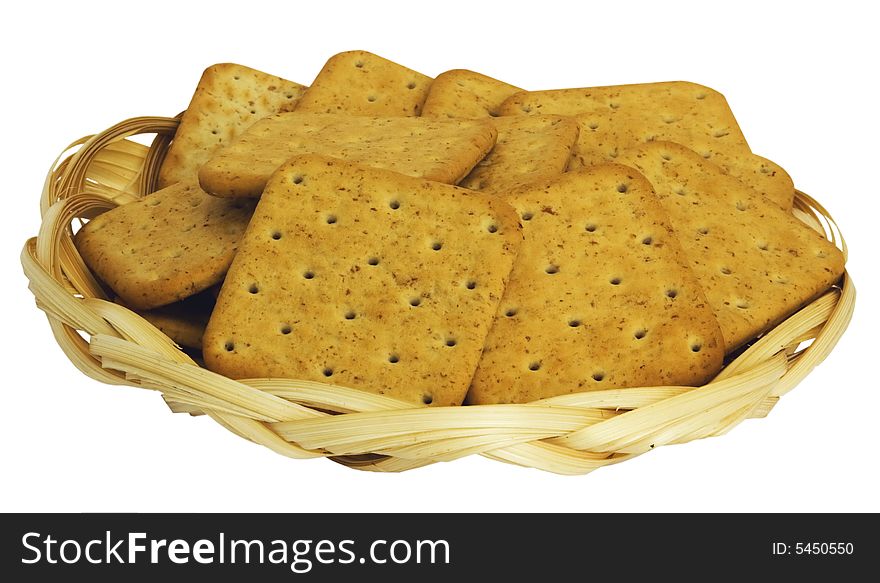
569,434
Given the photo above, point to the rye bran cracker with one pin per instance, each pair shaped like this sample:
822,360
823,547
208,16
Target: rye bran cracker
443,150
460,93
617,117
165,247
600,296
364,278
361,83
756,262
228,99
528,148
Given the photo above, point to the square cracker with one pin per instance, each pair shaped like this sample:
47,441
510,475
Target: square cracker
528,148
756,262
617,117
361,83
604,135
600,296
364,278
228,99
443,150
165,247
466,94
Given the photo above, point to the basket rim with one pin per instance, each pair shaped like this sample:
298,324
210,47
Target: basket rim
568,434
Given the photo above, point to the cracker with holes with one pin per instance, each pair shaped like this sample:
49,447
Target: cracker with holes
600,296
361,83
443,150
528,148
756,262
364,278
617,117
228,99
165,247
466,94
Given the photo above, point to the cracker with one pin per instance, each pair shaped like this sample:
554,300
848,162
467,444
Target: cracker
167,246
617,117
440,150
759,173
228,99
361,83
528,148
466,94
756,262
184,321
364,278
600,296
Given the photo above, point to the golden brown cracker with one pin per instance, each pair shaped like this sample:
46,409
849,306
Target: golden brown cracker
756,262
228,99
460,93
617,117
184,321
443,150
528,148
600,296
361,83
165,247
364,278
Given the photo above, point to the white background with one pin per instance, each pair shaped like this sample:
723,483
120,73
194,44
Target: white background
801,79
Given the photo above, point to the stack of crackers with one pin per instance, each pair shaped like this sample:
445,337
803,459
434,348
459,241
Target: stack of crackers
459,239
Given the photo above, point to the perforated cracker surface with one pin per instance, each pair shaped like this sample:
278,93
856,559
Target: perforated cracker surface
166,247
617,117
528,148
756,262
443,150
364,278
460,93
600,296
228,99
361,83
